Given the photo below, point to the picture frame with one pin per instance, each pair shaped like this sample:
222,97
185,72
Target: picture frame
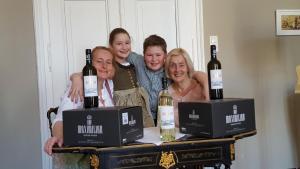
288,22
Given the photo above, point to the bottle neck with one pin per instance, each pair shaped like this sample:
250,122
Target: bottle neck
88,60
88,56
165,90
164,85
213,52
214,56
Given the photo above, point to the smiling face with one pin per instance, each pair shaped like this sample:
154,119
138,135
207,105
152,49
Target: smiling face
154,57
103,62
121,46
178,69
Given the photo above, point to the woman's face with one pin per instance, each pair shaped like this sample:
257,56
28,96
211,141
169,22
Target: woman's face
103,62
178,70
121,45
154,57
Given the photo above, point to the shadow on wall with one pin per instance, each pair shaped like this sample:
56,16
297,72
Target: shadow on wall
294,116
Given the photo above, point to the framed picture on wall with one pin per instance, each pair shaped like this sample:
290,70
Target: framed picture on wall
288,22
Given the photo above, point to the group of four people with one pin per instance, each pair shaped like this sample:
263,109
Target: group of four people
126,78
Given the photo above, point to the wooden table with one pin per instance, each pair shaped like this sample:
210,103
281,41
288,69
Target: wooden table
178,154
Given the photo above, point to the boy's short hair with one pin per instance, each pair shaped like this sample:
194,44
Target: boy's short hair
155,40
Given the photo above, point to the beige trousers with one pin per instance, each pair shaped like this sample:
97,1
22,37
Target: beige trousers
135,97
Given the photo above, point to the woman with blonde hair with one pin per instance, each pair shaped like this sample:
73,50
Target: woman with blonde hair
179,68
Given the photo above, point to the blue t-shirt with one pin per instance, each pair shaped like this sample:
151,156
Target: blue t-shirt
150,80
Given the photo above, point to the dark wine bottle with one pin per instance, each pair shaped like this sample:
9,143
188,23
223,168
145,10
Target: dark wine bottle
90,82
214,76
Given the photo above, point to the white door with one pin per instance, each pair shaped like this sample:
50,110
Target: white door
64,28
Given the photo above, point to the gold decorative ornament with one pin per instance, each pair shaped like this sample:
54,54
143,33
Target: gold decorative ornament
95,161
167,160
232,151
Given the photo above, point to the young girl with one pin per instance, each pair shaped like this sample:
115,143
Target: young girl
102,59
126,89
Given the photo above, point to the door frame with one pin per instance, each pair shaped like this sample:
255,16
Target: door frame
42,40
43,54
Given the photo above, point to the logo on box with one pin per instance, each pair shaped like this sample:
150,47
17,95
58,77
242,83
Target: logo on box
194,116
132,121
235,117
89,128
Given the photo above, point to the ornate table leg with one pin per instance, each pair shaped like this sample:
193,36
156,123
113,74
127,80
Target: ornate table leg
232,152
232,156
94,161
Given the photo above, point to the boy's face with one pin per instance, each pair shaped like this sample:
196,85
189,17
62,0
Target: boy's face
154,57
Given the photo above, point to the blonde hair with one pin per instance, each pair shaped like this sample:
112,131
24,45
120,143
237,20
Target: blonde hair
101,48
186,56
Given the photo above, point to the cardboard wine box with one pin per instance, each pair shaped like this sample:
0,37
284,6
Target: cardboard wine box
101,127
217,118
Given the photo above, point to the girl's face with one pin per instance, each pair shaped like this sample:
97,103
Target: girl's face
178,70
121,46
154,57
103,62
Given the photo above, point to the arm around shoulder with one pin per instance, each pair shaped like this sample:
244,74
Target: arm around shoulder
202,80
76,87
135,58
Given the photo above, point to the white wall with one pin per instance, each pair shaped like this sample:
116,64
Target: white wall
258,64
19,117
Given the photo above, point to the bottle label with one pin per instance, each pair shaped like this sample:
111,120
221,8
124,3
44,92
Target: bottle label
216,79
90,86
166,117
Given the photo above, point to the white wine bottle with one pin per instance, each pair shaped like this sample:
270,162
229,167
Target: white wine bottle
215,76
166,113
90,82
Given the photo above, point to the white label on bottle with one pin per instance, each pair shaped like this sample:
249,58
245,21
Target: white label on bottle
90,86
125,118
216,79
166,117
